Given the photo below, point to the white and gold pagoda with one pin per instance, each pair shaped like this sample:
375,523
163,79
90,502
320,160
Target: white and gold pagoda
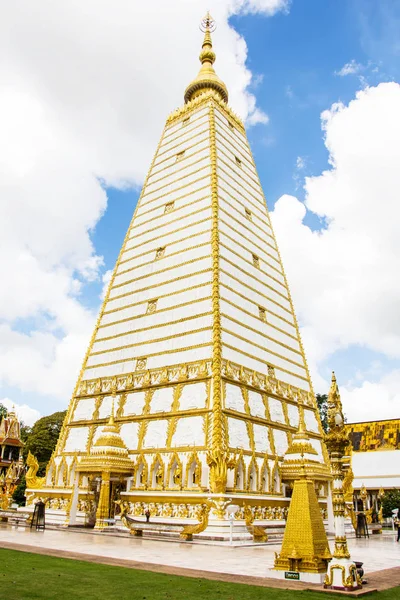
196,342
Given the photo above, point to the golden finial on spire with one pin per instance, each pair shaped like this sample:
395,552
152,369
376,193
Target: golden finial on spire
335,410
207,78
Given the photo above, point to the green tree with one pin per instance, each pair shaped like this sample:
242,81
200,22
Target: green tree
42,439
3,411
322,403
19,492
390,501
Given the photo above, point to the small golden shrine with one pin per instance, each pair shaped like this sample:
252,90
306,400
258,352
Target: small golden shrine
108,458
305,546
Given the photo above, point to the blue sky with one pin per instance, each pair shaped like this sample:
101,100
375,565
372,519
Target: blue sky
302,60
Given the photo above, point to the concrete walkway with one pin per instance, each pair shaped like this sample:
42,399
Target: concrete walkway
242,564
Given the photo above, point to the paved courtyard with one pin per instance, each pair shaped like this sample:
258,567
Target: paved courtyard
377,552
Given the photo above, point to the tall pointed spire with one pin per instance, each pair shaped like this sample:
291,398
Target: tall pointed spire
207,78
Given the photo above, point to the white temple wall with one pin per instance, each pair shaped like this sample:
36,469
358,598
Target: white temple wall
164,302
243,260
230,338
172,145
172,164
254,321
243,302
178,168
155,215
157,320
261,296
167,262
242,229
160,276
143,348
257,339
189,122
166,234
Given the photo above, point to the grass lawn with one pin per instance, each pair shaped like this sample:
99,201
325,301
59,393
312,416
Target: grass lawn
26,576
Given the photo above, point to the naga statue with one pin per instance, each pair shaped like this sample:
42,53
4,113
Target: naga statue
31,480
259,534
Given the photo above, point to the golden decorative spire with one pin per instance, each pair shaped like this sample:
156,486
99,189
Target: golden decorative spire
207,78
335,410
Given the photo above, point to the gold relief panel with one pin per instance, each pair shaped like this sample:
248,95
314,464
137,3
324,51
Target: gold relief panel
193,472
253,476
141,364
175,473
265,477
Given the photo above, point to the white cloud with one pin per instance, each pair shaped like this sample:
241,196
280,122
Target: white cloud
344,278
85,89
300,163
373,400
24,412
350,68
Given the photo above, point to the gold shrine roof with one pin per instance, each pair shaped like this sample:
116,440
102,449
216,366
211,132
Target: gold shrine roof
108,453
207,79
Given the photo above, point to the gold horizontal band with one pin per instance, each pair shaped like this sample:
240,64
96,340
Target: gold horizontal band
230,249
187,127
160,297
166,256
164,160
254,217
154,341
263,283
170,244
185,227
174,172
159,239
183,187
267,364
259,332
181,178
174,351
181,140
247,248
253,290
174,210
249,173
264,349
158,325
237,136
242,223
157,285
238,196
237,183
163,270
243,151
269,312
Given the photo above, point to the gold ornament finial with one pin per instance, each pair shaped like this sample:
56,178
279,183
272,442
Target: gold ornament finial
207,78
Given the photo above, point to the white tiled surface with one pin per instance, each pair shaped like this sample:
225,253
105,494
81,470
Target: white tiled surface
380,552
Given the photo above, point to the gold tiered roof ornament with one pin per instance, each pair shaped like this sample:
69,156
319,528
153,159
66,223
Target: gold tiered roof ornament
342,572
207,78
305,550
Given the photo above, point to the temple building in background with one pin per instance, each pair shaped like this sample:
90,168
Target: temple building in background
11,464
195,379
375,460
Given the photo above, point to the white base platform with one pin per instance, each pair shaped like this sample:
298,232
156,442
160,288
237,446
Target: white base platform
317,578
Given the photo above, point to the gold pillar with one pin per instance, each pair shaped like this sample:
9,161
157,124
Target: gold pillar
103,507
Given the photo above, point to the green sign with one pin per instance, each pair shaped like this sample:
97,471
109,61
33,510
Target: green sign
292,575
